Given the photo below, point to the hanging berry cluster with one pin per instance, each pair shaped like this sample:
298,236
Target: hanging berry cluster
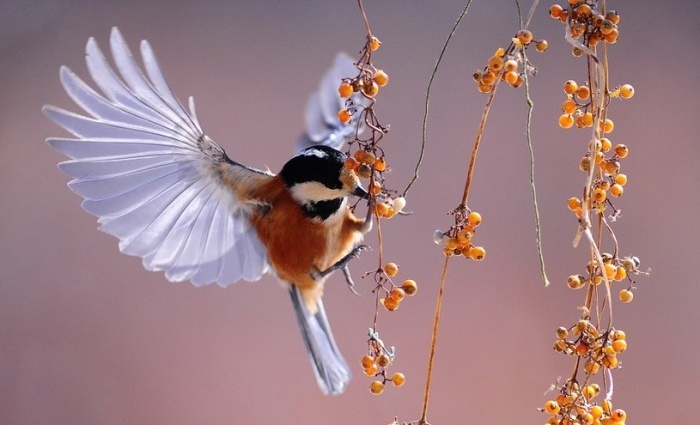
592,340
459,237
509,64
367,158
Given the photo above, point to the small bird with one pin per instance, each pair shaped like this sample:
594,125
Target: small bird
172,196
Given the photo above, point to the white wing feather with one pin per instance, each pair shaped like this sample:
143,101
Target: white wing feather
139,163
322,124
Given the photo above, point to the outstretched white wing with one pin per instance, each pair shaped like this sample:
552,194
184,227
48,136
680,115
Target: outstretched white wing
322,124
146,169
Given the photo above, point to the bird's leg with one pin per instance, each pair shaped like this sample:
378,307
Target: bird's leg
366,225
348,279
341,264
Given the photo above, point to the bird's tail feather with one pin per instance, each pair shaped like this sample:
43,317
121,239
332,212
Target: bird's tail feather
331,370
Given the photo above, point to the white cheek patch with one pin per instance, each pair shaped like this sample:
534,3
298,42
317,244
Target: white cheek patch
314,192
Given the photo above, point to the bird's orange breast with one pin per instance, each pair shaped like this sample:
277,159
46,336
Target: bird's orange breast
296,244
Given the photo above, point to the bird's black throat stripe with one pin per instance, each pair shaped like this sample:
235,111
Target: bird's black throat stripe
322,209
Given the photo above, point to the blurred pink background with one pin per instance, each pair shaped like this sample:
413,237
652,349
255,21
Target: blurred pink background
88,337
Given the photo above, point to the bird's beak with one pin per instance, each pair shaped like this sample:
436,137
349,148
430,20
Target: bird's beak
360,192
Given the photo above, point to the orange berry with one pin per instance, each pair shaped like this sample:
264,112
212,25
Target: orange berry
484,88
370,90
376,387
626,296
612,36
621,150
524,36
474,219
596,411
555,11
587,119
477,253
511,77
344,116
574,203
616,190
619,345
390,304
488,78
569,106
574,281
599,195
591,367
381,209
570,87
582,349
371,370
606,26
410,287
626,91
381,78
541,45
583,11
397,294
621,274
621,179
510,65
380,164
367,362
383,360
607,126
610,270
391,269
583,92
374,43
566,121
552,407
618,415
345,89
496,63
618,334
398,379
351,163
605,144
607,406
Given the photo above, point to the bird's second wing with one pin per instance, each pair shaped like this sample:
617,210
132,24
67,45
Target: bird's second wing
322,124
145,167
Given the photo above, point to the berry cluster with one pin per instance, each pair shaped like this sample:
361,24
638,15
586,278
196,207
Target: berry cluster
369,162
368,82
390,296
509,64
597,350
585,23
594,346
578,109
575,405
458,239
376,362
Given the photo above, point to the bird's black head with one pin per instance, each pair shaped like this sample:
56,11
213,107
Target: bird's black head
319,181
